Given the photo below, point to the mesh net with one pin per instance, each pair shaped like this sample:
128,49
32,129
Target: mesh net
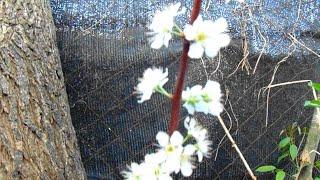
104,51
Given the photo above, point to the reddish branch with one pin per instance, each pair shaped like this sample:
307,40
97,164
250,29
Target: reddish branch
176,100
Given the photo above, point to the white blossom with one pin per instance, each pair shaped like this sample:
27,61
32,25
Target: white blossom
154,168
211,99
206,36
192,97
152,78
171,148
186,160
172,155
201,136
206,100
162,24
193,127
135,172
203,144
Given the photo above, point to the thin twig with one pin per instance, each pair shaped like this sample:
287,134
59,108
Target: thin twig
301,44
256,24
276,85
273,77
286,83
244,63
230,127
234,145
262,51
234,115
219,60
205,68
314,151
301,142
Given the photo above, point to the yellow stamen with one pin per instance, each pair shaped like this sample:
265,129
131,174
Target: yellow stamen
201,36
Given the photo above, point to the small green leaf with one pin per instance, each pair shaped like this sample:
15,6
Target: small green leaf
280,175
312,103
284,142
316,86
283,156
316,178
266,168
293,151
317,164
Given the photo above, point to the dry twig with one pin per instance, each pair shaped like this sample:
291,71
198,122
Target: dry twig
234,145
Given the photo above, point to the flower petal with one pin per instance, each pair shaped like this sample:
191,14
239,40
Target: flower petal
173,9
202,107
197,23
187,122
190,108
186,169
166,39
196,90
196,51
157,42
216,109
173,164
176,138
223,40
135,167
200,156
189,149
221,25
162,138
189,32
211,52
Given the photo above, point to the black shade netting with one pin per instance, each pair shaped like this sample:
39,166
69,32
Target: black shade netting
104,50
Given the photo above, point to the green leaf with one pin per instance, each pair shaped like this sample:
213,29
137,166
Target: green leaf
316,178
284,142
293,151
283,156
280,175
266,168
312,103
317,164
316,86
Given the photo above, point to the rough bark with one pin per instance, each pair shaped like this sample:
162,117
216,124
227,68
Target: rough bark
37,139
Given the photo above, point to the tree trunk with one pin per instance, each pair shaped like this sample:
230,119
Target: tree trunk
37,139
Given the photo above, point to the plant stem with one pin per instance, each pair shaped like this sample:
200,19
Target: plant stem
234,145
162,91
176,100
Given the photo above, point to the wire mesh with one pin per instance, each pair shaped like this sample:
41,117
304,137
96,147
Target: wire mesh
104,51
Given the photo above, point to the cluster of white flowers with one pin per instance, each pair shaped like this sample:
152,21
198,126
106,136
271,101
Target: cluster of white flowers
205,36
177,153
206,99
172,156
